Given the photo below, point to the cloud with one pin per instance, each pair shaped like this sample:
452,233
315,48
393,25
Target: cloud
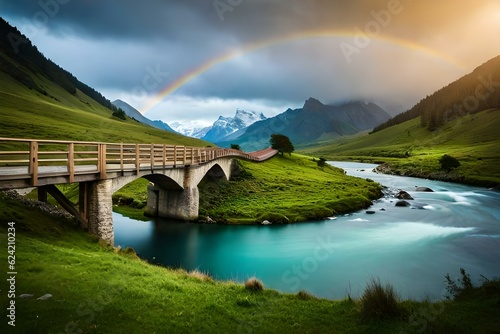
114,45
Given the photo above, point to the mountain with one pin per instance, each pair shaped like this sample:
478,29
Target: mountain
194,130
222,127
41,100
225,126
460,120
313,121
471,94
136,114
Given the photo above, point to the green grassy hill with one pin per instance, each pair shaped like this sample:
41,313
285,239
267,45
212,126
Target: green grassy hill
410,149
40,100
26,113
98,289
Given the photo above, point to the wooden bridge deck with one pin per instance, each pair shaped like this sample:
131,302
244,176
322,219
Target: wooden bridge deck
30,162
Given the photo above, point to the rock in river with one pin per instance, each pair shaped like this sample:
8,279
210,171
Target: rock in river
424,189
403,195
403,203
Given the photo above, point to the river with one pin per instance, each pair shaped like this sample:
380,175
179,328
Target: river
454,227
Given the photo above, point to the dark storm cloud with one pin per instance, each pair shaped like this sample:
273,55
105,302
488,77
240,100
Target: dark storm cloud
246,21
113,45
111,19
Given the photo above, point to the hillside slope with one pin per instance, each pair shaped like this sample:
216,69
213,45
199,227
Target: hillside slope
136,114
40,100
471,94
410,149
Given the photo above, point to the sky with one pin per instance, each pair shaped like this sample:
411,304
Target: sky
191,61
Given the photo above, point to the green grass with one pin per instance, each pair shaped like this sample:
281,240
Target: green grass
473,140
99,289
284,188
26,113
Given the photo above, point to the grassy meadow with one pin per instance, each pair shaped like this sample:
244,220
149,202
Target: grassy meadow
282,189
59,115
99,289
409,149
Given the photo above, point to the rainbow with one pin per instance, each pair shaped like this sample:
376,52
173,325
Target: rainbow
252,47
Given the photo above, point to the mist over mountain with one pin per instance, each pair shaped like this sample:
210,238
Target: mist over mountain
313,121
136,114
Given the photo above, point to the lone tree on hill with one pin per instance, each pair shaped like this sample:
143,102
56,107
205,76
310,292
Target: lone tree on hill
448,162
281,143
236,147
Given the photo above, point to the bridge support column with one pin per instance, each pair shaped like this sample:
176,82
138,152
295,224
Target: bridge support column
176,204
100,210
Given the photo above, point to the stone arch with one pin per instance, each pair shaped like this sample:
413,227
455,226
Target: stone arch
163,181
216,170
216,173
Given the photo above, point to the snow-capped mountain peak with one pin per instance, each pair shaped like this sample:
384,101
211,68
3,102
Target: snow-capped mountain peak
225,126
192,129
222,127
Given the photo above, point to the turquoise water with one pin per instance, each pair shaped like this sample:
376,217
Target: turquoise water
412,247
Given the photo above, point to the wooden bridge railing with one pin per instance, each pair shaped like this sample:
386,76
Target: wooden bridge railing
31,159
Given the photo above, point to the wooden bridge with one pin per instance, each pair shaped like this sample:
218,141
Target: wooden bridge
102,168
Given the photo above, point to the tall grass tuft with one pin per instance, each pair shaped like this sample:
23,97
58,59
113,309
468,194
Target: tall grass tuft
253,284
204,277
379,302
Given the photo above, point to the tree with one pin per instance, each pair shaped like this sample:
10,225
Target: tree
236,147
120,114
321,162
281,143
448,162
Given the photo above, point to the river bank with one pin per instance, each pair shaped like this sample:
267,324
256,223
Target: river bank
437,175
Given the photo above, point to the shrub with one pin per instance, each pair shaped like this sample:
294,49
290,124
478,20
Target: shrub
448,162
378,301
254,285
120,114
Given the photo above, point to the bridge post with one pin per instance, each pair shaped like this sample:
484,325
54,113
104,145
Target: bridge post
100,210
172,203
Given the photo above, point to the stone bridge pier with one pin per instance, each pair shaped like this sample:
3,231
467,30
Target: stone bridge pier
178,200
